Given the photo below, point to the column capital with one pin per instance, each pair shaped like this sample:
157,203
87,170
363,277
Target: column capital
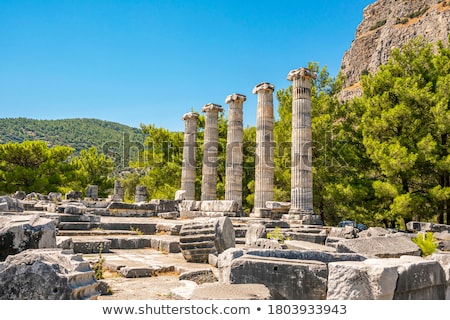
263,86
212,107
235,97
190,116
301,72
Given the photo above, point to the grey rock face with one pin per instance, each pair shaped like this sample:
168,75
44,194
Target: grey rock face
46,275
373,45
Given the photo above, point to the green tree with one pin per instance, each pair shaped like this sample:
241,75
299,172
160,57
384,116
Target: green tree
92,168
32,166
405,130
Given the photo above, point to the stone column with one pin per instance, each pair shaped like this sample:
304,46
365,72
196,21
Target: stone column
119,192
141,194
189,161
264,165
211,146
234,160
301,150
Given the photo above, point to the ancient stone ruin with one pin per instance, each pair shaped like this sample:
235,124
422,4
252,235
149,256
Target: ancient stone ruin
53,246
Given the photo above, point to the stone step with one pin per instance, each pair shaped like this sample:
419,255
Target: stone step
78,225
106,243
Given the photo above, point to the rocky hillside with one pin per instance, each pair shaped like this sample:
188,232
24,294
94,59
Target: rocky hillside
389,24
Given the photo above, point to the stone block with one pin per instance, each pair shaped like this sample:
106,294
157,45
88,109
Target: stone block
254,232
8,204
180,195
286,279
219,206
91,246
173,215
361,281
138,272
169,244
199,276
347,232
444,261
380,247
373,232
21,232
415,226
217,291
419,279
188,205
47,274
307,245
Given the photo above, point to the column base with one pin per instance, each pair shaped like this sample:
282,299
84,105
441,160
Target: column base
304,217
261,213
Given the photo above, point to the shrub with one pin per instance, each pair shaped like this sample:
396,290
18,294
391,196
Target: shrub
426,242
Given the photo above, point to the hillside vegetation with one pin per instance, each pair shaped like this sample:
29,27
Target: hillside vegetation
80,134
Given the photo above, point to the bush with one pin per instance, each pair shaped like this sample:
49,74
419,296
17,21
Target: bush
426,242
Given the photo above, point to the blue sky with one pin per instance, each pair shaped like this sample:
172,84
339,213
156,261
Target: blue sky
150,62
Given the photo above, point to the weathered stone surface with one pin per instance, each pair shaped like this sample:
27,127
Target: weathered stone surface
180,195
269,266
169,244
285,278
415,226
254,232
19,195
91,246
73,208
202,237
306,245
46,275
197,241
347,232
386,26
361,281
21,232
262,243
278,207
9,204
404,278
264,167
219,206
420,280
301,150
188,167
140,194
381,247
373,232
234,149
217,291
139,272
444,261
199,276
210,151
74,195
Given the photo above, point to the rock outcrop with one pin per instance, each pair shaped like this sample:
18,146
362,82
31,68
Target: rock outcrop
389,24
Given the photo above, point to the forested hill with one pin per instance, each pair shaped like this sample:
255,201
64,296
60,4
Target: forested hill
80,133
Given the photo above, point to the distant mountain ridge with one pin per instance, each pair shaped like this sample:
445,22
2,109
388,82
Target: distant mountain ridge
78,133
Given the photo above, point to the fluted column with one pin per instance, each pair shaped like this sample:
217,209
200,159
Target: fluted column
189,161
301,161
264,162
211,146
234,156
